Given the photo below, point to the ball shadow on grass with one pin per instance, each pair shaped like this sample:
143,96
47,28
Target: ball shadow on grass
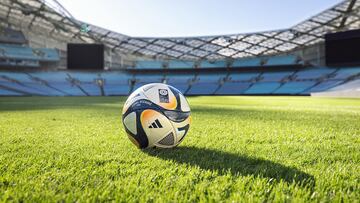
223,162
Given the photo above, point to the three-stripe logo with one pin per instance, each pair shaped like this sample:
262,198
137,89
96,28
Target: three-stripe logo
155,124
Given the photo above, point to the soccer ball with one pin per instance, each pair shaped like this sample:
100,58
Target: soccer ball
156,115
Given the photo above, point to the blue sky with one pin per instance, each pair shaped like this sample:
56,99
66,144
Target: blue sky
170,18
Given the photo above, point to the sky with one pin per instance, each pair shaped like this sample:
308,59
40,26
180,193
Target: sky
184,18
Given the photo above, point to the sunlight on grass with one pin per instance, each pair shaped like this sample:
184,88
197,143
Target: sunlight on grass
238,149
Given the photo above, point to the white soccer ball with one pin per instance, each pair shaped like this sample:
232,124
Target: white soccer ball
156,115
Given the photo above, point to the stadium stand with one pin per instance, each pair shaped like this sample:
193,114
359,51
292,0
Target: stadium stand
233,88
59,81
149,65
242,76
275,76
4,92
282,60
10,36
213,64
313,73
116,83
205,84
294,87
86,82
271,62
180,81
325,85
22,52
348,89
75,83
176,64
143,79
250,62
344,73
263,88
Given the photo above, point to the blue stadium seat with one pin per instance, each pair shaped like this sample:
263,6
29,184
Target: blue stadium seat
344,73
325,85
143,79
58,80
116,89
46,54
233,88
210,78
20,88
50,76
180,81
263,88
215,64
87,82
237,77
17,52
206,84
313,73
294,87
18,76
203,89
281,60
149,65
85,76
249,62
8,35
275,76
174,64
28,84
91,89
30,56
116,83
70,89
4,92
7,62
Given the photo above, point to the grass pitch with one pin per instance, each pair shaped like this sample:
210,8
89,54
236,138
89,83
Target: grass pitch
238,149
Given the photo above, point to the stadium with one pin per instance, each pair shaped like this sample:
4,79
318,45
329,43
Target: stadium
275,114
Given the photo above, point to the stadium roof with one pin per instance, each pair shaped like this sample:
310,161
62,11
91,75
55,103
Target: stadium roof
50,17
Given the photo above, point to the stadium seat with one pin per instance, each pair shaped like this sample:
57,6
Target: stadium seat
263,88
46,54
174,64
24,82
213,64
8,35
143,79
281,60
4,92
149,65
87,82
238,77
205,84
116,83
325,85
58,81
275,76
250,62
19,87
294,87
202,89
27,53
180,81
344,73
8,62
233,88
313,73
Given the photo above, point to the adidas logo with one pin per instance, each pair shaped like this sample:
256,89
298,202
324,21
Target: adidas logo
155,124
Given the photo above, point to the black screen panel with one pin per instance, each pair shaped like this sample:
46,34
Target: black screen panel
343,48
85,56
